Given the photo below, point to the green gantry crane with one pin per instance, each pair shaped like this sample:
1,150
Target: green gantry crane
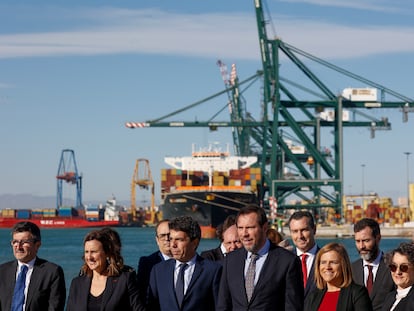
310,176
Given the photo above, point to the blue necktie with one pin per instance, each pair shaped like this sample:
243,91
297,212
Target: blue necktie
18,295
179,286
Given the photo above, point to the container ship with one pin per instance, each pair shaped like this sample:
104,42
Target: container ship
65,217
208,186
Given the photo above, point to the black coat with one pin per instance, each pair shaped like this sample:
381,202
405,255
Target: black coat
352,298
47,289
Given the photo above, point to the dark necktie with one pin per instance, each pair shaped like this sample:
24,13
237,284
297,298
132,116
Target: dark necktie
304,269
18,294
370,279
179,286
251,272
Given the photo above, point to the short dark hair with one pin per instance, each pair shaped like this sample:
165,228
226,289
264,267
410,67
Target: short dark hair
300,214
253,208
368,222
186,224
405,249
27,226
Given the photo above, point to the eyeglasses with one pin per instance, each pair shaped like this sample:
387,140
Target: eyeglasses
22,242
164,236
403,267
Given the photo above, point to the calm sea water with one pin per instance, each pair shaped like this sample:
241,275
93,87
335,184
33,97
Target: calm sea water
64,246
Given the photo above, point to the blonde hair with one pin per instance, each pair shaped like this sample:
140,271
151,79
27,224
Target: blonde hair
345,265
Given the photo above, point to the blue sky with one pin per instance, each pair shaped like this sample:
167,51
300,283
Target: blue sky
73,72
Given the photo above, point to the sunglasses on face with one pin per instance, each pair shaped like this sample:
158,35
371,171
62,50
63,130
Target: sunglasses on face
403,267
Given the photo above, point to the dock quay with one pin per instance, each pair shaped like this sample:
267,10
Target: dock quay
346,231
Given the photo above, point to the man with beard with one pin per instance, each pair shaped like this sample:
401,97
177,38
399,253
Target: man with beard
260,275
370,270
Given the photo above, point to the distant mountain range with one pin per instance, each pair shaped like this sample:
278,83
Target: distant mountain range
29,201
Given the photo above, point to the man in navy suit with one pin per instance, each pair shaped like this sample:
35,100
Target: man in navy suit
269,274
302,232
46,283
367,241
188,281
162,237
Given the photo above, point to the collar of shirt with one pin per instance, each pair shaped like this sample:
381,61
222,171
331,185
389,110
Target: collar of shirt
223,249
188,273
376,262
311,252
29,265
165,257
263,252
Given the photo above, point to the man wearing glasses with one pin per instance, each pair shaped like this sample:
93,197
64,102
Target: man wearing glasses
29,282
162,237
371,270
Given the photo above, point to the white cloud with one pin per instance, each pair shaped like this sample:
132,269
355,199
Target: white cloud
368,5
202,35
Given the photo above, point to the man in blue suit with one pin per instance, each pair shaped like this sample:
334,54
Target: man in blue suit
302,232
260,275
188,281
46,288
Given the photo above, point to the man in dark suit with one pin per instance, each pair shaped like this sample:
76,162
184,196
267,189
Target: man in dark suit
188,282
145,264
302,229
261,275
229,238
367,241
46,283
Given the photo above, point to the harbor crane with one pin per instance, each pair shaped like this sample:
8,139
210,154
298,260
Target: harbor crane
142,178
68,174
305,108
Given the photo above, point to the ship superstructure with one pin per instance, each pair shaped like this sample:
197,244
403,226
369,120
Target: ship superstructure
208,186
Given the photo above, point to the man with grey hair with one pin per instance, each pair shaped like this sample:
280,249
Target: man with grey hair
188,281
371,270
145,264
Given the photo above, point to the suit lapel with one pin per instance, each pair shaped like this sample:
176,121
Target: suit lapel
36,277
359,277
198,268
10,275
381,274
109,288
169,277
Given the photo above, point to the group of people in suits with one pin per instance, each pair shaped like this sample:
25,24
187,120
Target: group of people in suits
249,273
376,281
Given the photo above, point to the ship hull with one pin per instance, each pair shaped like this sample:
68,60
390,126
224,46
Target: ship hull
208,208
59,222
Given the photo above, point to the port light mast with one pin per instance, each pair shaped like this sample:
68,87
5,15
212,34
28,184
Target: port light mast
308,113
68,174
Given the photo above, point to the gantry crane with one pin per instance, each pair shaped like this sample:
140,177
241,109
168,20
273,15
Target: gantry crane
143,179
68,173
309,111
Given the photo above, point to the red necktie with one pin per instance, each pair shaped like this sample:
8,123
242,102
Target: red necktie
304,269
370,279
